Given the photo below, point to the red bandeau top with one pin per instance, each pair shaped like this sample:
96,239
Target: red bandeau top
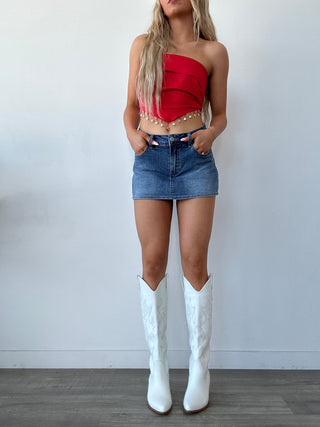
183,87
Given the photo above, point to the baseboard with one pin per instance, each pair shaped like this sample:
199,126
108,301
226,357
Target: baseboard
95,358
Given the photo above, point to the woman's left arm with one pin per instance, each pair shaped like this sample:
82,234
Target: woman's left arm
217,85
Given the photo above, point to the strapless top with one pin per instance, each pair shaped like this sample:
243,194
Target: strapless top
183,87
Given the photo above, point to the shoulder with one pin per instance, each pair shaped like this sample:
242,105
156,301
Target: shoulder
217,54
138,43
216,50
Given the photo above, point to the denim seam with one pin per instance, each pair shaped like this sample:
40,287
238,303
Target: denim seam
188,196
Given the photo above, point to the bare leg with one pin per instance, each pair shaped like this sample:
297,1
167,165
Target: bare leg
153,222
195,218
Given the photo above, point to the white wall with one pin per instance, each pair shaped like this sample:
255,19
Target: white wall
69,251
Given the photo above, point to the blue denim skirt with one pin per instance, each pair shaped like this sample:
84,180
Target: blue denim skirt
174,169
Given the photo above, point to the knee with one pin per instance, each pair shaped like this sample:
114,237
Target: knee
194,264
154,264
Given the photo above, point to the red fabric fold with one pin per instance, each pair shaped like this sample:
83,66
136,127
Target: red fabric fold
183,89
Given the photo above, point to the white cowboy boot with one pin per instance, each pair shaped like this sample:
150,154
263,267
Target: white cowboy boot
154,316
199,318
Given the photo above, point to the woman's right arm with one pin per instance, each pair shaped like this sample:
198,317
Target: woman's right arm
131,118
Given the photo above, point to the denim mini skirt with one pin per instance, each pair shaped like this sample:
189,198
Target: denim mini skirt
174,169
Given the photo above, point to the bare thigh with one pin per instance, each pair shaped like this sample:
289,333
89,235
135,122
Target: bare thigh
195,219
153,222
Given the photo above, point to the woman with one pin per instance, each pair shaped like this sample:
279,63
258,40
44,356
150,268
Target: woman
177,79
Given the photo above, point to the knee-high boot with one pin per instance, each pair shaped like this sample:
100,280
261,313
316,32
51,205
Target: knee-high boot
198,306
154,316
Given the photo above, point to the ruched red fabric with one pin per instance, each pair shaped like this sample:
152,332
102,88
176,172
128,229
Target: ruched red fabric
183,89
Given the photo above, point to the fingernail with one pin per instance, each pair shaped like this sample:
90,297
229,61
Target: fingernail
154,142
183,139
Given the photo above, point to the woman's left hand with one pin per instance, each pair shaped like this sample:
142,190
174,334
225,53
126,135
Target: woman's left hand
203,140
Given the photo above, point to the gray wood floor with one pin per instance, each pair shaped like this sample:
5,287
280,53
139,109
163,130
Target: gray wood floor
117,397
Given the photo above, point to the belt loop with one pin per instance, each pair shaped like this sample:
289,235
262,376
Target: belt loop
190,139
150,140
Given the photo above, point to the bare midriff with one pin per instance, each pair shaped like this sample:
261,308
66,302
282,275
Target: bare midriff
182,124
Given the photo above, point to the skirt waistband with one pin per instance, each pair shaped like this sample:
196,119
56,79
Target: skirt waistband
172,138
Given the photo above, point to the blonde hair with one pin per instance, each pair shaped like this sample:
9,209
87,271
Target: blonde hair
149,79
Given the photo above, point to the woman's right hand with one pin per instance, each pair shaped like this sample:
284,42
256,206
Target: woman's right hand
138,140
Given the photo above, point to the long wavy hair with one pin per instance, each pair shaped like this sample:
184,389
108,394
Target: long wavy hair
158,39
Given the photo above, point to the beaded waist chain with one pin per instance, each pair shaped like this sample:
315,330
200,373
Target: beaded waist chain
157,120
